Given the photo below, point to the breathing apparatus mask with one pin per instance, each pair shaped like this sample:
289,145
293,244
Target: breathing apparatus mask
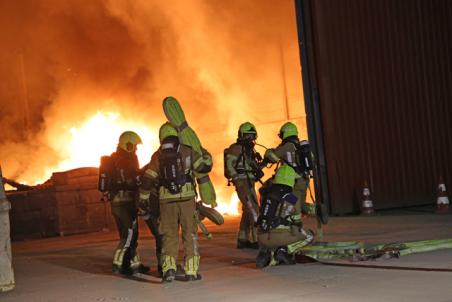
248,140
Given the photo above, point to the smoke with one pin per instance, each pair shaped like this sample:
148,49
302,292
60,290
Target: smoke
63,61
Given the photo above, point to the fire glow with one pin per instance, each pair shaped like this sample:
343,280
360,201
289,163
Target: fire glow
84,144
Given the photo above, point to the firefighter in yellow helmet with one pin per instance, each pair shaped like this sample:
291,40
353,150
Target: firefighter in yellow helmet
280,236
171,168
242,167
119,182
295,153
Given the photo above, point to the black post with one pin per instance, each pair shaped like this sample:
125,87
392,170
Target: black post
312,100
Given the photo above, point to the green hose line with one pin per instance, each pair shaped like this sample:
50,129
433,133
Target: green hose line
344,250
433,246
175,115
173,111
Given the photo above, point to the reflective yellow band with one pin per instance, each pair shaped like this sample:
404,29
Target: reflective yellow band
151,173
117,258
136,261
145,194
192,265
187,192
168,263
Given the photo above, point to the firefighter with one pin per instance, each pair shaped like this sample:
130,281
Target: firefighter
242,167
295,153
122,174
171,168
280,235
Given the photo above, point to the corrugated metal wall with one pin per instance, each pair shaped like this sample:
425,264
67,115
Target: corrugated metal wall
384,74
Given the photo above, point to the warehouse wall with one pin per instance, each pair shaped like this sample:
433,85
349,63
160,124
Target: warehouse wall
383,71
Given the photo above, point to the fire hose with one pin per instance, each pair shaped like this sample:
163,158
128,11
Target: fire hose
356,251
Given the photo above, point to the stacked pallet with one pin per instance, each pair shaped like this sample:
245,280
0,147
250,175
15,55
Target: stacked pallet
70,204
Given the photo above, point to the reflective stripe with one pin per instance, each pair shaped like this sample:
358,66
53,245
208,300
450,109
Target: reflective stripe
192,265
187,192
194,238
145,194
250,204
167,146
151,173
289,157
296,217
168,263
136,261
187,163
117,258
130,233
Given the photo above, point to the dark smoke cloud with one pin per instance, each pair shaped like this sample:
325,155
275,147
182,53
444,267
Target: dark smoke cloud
61,61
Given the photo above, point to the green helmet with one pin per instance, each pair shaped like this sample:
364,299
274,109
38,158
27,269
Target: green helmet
285,175
128,141
287,130
247,128
167,130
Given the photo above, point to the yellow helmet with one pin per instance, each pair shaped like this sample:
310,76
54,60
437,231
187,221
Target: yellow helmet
167,130
128,141
287,130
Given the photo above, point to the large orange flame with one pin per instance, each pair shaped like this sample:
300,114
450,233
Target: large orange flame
85,143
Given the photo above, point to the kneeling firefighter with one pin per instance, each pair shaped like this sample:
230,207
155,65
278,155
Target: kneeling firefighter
280,234
171,168
297,154
242,167
118,180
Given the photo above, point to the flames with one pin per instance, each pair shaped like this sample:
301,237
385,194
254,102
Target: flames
98,135
228,61
83,144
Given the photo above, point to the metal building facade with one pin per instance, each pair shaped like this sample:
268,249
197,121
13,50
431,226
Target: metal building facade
377,78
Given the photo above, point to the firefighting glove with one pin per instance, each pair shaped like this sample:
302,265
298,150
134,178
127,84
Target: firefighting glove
143,207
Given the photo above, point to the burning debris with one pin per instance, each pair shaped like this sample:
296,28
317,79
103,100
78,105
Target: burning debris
79,75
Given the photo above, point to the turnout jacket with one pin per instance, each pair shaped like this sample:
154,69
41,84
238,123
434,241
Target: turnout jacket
151,176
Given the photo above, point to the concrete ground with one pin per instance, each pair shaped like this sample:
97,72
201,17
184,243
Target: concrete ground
77,268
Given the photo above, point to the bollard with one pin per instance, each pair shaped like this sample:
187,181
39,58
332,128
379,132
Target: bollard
6,268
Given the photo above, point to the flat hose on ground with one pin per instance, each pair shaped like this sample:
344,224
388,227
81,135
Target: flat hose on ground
361,251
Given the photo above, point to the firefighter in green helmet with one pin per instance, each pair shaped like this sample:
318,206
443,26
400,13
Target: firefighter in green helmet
280,235
242,168
171,169
118,180
295,153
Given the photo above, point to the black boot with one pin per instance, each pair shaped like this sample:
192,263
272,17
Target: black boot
242,244
263,258
253,245
192,277
126,270
142,269
245,244
283,257
169,275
